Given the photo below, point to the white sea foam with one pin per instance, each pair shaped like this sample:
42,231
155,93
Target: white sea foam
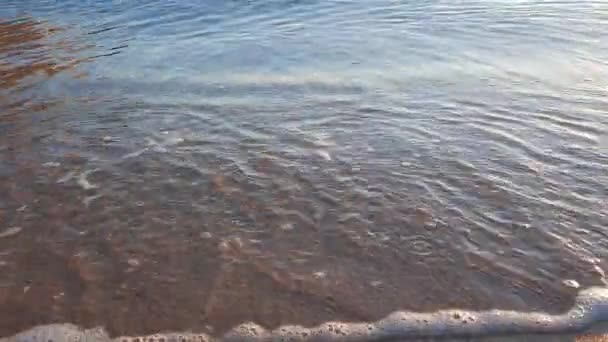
84,182
589,314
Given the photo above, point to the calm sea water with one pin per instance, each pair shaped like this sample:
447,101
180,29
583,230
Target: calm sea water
196,164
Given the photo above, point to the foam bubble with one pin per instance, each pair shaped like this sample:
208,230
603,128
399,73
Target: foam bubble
134,154
89,199
323,154
205,235
419,245
109,139
84,182
10,232
571,283
67,177
590,314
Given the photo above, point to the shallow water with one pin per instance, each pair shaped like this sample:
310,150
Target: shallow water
176,165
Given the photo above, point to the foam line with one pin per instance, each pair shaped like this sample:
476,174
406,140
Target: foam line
589,312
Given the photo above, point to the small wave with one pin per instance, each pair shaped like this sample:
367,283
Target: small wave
589,314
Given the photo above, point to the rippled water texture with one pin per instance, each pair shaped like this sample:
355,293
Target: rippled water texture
175,165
